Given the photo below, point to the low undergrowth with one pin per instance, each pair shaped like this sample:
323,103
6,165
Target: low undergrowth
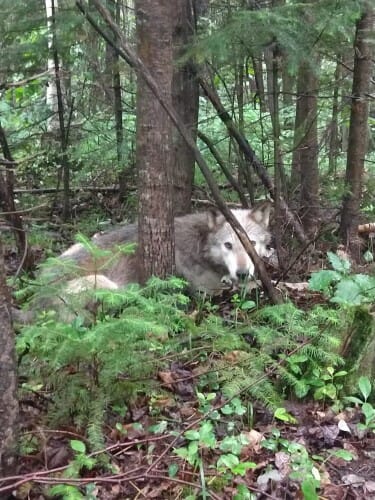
204,382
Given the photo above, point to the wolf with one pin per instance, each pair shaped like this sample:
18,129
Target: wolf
208,253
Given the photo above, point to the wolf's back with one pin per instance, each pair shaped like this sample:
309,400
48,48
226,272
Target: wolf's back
119,266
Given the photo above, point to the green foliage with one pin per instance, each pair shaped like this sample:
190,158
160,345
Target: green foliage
88,368
297,345
340,286
81,461
368,410
204,439
304,468
286,23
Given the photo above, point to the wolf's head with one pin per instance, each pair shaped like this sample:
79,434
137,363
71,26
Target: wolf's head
225,249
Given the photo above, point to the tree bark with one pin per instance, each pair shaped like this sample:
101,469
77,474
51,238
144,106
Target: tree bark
358,131
60,111
155,21
309,202
244,172
334,125
185,95
7,203
8,382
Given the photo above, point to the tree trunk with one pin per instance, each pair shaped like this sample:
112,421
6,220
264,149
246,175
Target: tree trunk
258,75
185,92
8,206
155,21
244,172
334,125
358,132
115,78
287,82
63,135
305,155
8,382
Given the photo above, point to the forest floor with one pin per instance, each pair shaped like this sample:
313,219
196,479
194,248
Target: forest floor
323,454
140,462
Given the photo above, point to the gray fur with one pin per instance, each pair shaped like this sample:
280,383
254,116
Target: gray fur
208,255
201,257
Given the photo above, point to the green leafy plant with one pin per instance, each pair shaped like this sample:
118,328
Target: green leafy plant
305,469
85,368
242,304
368,410
342,287
80,462
296,346
203,440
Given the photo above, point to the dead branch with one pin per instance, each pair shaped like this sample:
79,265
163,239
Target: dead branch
366,228
250,155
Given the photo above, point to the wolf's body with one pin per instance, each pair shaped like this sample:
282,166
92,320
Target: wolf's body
206,251
208,254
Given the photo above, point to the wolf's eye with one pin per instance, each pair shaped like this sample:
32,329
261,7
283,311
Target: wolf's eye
269,247
228,245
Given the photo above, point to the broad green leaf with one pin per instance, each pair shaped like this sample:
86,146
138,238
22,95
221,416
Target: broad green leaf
364,385
340,265
322,280
227,461
192,435
248,304
242,493
368,411
284,416
348,292
78,446
243,467
344,454
353,399
308,488
172,470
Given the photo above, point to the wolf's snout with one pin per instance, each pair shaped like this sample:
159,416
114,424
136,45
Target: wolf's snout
242,274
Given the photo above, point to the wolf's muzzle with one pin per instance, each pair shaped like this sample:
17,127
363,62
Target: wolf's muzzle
242,275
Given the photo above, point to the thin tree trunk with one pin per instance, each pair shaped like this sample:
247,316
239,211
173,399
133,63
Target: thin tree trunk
155,20
60,108
334,126
232,180
185,94
244,172
358,131
258,75
287,82
309,202
9,410
114,70
295,174
8,206
278,161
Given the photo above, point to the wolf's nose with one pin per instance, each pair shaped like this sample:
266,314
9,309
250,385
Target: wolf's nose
242,275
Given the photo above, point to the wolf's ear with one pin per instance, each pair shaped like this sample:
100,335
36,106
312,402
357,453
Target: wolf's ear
261,213
215,218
